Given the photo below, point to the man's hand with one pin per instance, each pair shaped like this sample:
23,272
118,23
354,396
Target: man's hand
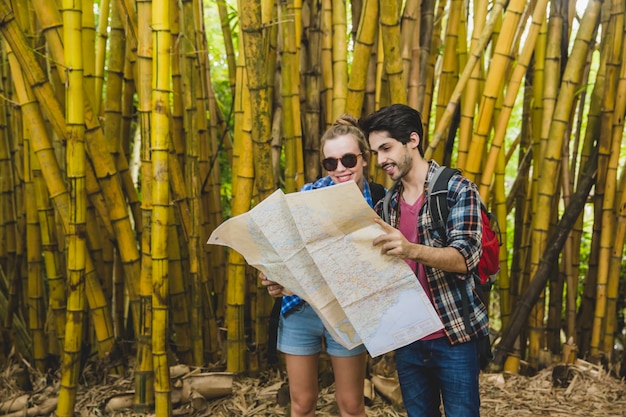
273,288
392,242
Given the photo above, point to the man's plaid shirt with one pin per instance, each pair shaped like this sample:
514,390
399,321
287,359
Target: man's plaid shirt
464,233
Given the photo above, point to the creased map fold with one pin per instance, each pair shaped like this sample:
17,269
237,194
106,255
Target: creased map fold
318,244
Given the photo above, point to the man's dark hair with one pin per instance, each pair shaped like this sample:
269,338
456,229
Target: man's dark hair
399,120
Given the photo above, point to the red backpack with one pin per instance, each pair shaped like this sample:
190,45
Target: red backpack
489,264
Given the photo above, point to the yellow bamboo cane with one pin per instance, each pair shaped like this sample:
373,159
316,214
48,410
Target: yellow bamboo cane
551,78
327,63
312,102
547,184
128,99
291,102
178,294
212,200
428,75
160,148
242,130
615,267
178,105
88,29
500,210
427,17
95,298
339,57
113,112
187,184
380,92
408,28
512,89
449,66
51,254
493,87
228,44
51,21
76,252
364,42
253,37
208,168
35,288
390,31
616,258
103,165
414,69
144,369
44,150
612,122
212,263
471,92
100,53
475,54
8,225
191,84
243,179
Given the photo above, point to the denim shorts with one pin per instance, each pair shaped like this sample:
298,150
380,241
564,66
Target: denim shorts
301,332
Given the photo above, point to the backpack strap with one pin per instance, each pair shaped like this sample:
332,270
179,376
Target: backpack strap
377,191
437,197
387,202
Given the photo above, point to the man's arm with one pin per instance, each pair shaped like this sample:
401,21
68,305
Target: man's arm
393,243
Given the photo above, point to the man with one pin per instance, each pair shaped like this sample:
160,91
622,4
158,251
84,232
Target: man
443,366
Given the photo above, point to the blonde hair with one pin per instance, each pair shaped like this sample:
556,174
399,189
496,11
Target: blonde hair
347,124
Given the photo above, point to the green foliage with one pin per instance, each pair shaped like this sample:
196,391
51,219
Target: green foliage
215,38
221,86
227,186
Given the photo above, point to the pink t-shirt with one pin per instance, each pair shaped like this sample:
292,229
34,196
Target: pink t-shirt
408,226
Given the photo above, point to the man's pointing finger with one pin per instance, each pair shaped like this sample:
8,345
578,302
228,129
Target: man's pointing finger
386,227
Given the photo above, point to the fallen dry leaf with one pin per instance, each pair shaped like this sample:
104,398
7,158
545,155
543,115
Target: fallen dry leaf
582,389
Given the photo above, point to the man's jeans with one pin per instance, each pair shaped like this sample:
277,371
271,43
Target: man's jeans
429,368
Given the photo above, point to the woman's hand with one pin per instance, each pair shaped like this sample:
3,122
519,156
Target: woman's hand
273,288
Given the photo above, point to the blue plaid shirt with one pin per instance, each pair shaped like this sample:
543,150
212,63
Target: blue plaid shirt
290,301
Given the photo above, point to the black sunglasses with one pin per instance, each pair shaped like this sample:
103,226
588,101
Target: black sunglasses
348,161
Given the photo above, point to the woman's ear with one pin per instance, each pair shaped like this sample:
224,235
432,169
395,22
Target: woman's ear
366,158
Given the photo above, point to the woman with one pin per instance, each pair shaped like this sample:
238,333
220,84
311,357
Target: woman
301,332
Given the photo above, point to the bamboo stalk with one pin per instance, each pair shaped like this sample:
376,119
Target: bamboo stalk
76,254
160,149
364,42
144,379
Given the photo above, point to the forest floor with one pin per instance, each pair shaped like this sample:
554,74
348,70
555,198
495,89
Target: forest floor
581,389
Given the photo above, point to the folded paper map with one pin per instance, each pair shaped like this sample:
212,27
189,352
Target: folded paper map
318,245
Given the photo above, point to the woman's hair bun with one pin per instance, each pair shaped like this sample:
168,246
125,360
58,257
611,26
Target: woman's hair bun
347,120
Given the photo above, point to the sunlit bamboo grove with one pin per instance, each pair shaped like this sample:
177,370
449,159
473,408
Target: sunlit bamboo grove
124,143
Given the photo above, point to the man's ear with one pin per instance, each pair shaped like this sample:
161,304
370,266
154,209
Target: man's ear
414,140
